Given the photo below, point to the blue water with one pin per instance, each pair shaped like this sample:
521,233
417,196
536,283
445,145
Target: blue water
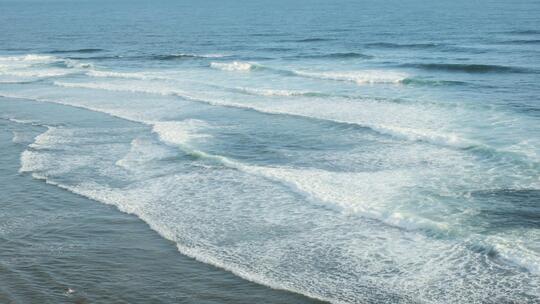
348,151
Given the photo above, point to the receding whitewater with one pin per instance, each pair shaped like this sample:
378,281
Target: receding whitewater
343,152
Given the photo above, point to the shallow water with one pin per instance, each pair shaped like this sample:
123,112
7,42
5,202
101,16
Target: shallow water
350,152
59,247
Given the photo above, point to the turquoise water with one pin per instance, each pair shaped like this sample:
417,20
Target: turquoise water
346,151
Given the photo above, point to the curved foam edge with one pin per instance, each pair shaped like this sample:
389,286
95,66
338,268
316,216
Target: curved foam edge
449,140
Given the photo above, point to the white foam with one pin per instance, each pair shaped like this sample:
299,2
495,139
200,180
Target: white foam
272,92
397,120
36,66
70,63
258,230
128,75
232,66
362,193
37,73
359,77
514,249
141,151
29,58
50,138
117,87
32,161
179,132
22,121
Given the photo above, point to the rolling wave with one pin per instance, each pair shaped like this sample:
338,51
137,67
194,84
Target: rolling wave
521,41
355,193
467,68
391,45
349,55
185,56
525,32
404,133
358,77
83,51
432,82
32,58
315,39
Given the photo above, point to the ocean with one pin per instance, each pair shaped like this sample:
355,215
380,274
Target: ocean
269,151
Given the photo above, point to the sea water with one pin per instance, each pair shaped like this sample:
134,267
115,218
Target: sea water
347,151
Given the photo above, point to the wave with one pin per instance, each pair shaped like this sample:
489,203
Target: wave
390,45
318,186
185,56
29,58
310,40
179,132
521,41
109,196
276,49
357,193
467,68
525,32
38,73
125,75
83,51
22,121
337,56
161,57
105,57
327,188
358,77
403,133
233,66
432,82
280,93
69,63
49,66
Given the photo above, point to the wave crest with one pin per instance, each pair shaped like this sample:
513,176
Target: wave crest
232,66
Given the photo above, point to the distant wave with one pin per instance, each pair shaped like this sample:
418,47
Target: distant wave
164,57
525,32
107,57
313,40
402,45
521,41
432,82
84,51
275,49
425,46
467,68
185,56
358,77
337,56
